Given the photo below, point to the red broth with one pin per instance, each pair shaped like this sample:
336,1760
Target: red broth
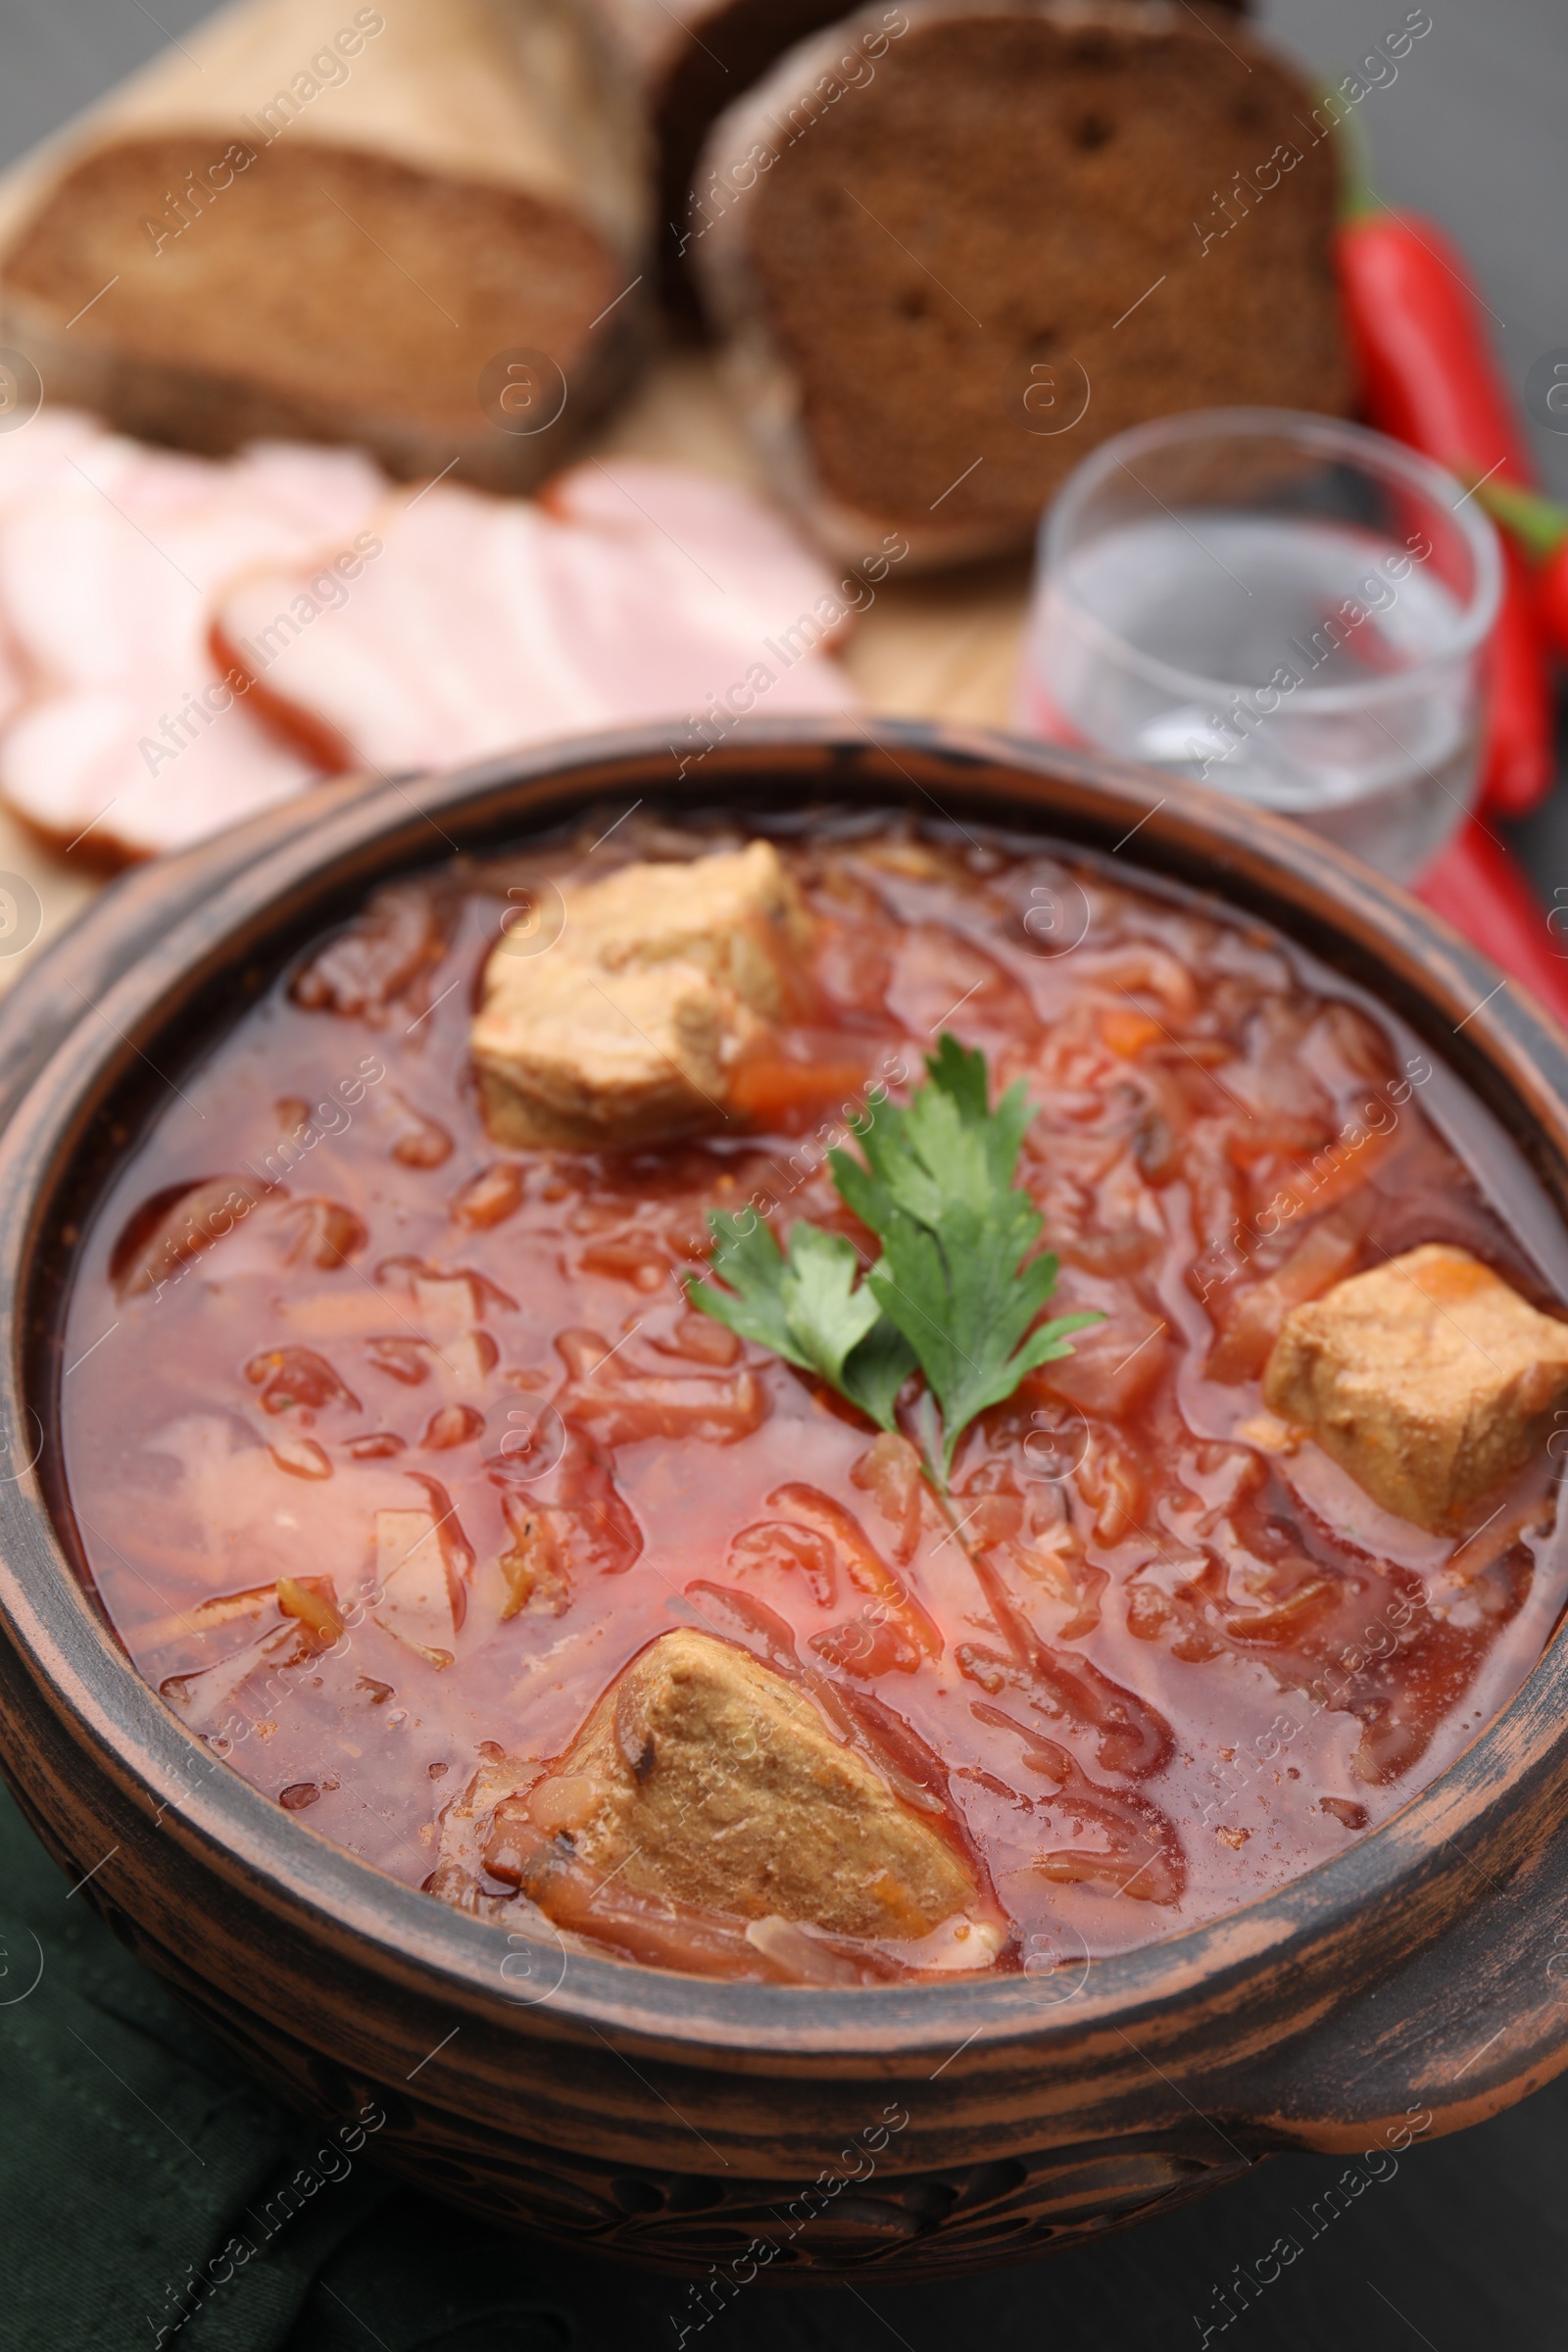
1163,1662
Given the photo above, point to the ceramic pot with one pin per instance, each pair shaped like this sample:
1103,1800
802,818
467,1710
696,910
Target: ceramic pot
770,2131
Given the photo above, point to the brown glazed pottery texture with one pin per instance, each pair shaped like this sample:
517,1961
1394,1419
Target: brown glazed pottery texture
778,2131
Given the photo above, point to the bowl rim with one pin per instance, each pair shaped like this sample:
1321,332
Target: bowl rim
1503,1046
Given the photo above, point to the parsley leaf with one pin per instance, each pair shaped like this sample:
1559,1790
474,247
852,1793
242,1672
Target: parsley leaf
951,1294
938,1191
806,1308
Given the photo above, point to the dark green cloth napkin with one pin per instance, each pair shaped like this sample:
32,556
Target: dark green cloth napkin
147,2185
134,2152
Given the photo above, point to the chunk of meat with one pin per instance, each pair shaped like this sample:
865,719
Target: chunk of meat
702,1776
1428,1379
629,1030
487,623
134,736
488,1839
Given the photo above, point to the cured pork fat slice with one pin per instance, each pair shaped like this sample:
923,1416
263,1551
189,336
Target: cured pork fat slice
632,592
33,456
127,738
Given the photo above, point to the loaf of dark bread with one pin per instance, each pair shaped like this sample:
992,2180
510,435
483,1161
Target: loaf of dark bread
1039,222
689,62
207,291
682,66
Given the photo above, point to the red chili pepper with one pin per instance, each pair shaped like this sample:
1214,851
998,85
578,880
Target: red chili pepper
1519,758
1429,379
1420,338
1541,529
1477,886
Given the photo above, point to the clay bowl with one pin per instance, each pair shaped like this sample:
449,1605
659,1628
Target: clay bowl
770,2131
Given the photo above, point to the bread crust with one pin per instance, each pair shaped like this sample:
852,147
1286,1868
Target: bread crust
316,292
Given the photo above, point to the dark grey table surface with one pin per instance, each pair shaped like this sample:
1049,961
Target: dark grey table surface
1467,2244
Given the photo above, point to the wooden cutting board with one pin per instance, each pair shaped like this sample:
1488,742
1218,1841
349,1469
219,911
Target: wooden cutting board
451,84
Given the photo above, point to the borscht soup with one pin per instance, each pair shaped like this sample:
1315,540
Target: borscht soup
822,1401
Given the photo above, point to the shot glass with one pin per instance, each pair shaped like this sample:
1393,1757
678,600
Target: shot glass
1283,607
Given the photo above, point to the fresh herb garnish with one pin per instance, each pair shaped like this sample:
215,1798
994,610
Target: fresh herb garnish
950,1296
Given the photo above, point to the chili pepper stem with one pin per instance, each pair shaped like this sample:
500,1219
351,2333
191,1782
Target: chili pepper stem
1539,523
1358,196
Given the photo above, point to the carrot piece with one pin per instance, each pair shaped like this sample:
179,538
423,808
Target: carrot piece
1128,1033
766,1089
312,1599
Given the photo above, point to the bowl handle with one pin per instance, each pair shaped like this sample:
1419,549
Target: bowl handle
1475,2019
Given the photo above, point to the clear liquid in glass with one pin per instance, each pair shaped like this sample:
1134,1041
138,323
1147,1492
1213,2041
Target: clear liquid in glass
1277,604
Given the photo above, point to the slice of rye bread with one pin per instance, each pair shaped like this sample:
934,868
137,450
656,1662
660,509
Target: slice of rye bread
321,293
1040,224
688,63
